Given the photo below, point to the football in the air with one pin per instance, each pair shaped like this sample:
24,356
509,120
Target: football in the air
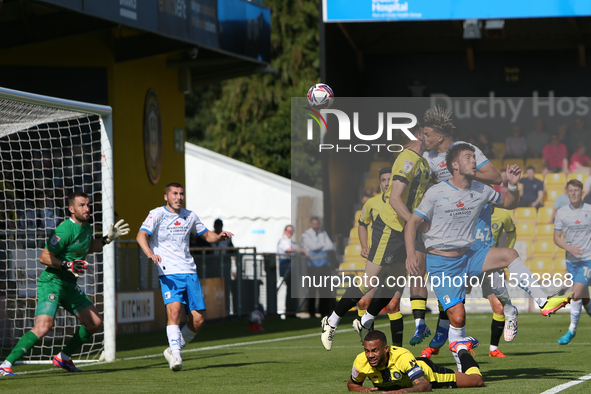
320,96
256,317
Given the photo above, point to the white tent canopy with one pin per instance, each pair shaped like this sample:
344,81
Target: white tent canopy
254,204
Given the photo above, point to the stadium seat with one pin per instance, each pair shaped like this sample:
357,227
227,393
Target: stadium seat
356,219
576,175
353,265
544,215
524,215
558,265
536,163
541,265
543,248
523,248
551,193
519,162
525,231
354,236
539,177
497,163
544,232
555,180
352,251
498,149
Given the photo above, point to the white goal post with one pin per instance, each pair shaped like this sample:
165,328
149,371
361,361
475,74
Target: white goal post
50,147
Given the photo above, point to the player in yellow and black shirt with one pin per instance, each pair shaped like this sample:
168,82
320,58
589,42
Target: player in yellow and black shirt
395,369
410,177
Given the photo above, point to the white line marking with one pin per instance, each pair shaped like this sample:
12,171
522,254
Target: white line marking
567,385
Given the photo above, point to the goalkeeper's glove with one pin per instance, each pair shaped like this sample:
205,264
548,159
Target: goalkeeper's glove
76,267
117,230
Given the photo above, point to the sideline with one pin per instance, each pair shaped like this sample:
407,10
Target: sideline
564,386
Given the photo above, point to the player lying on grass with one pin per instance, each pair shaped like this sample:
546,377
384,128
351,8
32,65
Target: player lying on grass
64,256
396,370
452,207
572,232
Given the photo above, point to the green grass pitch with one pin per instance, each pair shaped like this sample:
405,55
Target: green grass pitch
288,358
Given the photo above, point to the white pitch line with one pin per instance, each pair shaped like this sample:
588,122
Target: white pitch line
223,346
567,385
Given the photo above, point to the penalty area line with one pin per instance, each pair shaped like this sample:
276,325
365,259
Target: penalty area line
564,386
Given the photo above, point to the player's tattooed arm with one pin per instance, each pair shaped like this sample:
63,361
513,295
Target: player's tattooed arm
359,387
419,385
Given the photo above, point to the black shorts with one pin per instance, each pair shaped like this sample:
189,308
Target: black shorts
387,245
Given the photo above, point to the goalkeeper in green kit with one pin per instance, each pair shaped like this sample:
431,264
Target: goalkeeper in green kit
64,256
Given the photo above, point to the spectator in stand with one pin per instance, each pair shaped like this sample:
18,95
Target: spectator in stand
218,226
579,161
516,146
580,135
503,187
533,190
537,139
555,156
563,138
286,248
485,146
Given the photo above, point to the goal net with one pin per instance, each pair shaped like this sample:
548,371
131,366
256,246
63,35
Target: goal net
48,149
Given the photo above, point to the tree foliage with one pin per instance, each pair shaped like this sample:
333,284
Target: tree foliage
248,118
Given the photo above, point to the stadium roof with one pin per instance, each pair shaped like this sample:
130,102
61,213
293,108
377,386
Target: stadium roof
224,38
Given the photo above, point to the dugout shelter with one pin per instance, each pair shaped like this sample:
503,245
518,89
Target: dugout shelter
452,49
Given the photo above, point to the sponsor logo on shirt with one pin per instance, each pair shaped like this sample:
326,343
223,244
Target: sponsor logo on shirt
51,297
397,375
446,299
460,204
54,240
177,223
443,164
354,373
167,295
408,165
577,222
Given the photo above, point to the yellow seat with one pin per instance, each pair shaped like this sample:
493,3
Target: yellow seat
523,248
353,265
498,149
536,163
352,251
356,219
545,232
576,175
497,163
555,180
543,248
524,215
544,215
541,265
525,231
551,194
353,236
559,265
539,177
519,162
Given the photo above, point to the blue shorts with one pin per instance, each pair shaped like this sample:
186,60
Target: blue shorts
446,275
577,269
183,288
